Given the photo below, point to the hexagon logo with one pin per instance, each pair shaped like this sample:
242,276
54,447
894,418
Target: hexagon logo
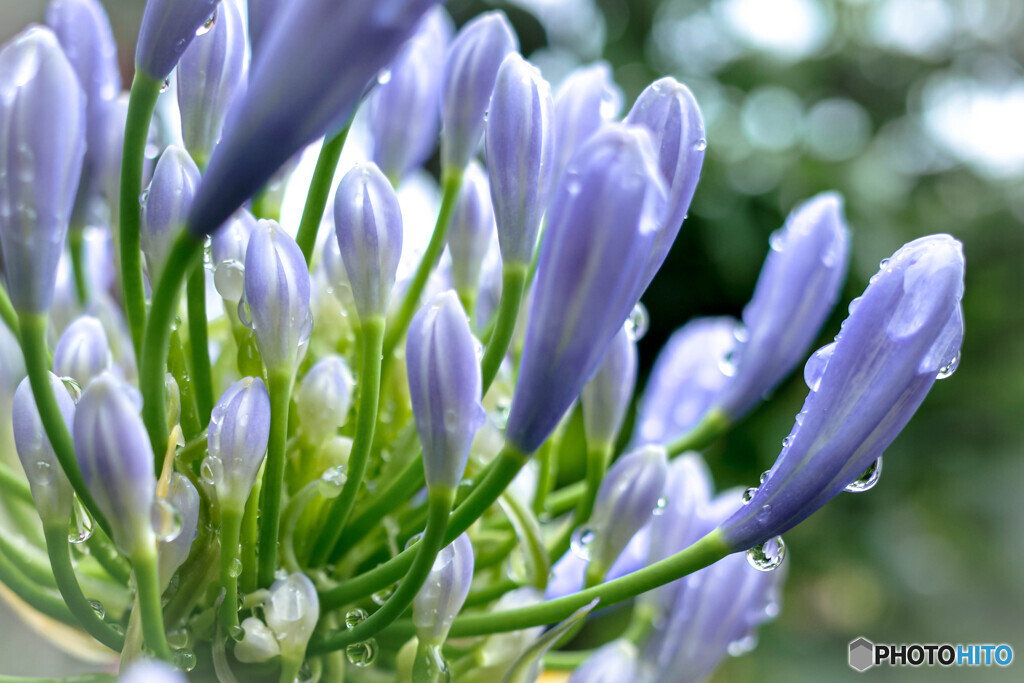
862,654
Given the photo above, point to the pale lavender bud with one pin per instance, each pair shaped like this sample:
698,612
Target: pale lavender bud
795,293
444,386
368,224
152,671
471,230
117,460
444,592
669,111
168,27
292,610
600,228
470,70
903,333
165,204
227,251
324,398
587,99
173,550
686,379
112,153
520,154
237,440
611,663
211,72
261,14
277,295
606,396
334,272
42,144
51,489
82,352
288,104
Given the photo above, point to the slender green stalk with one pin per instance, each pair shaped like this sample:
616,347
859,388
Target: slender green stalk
202,373
486,594
513,284
178,368
250,538
565,498
76,246
21,556
60,561
546,456
141,104
319,189
281,381
13,485
369,398
451,183
530,537
598,457
33,347
296,506
713,425
230,529
113,562
8,314
148,581
36,597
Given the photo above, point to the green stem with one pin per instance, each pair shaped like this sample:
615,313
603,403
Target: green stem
546,477
36,597
76,246
273,474
319,189
451,183
14,485
482,596
429,665
565,498
8,314
33,347
115,564
513,284
141,104
230,529
467,297
250,538
202,373
176,364
148,582
598,457
373,336
60,560
35,569
712,425
296,506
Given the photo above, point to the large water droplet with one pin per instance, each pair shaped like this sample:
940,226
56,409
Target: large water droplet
235,570
178,638
41,473
581,541
749,494
166,520
384,77
185,659
949,368
362,654
332,481
638,322
777,240
767,556
208,24
166,85
73,387
212,470
82,524
868,479
660,506
814,370
381,596
355,617
701,144
97,609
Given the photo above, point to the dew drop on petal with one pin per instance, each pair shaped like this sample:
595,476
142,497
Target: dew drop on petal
166,520
749,494
581,541
767,556
638,322
82,524
949,368
867,480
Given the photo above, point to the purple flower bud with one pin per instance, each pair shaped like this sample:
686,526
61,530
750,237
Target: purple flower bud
42,144
469,74
261,14
520,154
152,671
227,251
212,71
237,440
795,293
471,230
324,398
184,499
277,295
292,611
117,460
444,591
606,397
82,352
612,663
348,42
668,110
168,27
600,228
587,99
444,386
686,378
405,106
903,333
368,224
51,489
165,205
625,502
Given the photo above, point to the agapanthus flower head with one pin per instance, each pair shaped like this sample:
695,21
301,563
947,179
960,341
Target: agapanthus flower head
82,352
611,663
444,386
587,99
324,398
181,519
237,440
227,251
165,205
600,228
51,489
471,67
795,293
520,142
471,231
168,28
444,592
42,144
606,396
292,610
903,333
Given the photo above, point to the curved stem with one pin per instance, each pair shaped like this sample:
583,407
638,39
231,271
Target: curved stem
273,473
513,284
189,419
35,568
60,560
113,562
296,506
202,373
14,486
250,538
373,336
547,457
148,582
76,247
39,599
230,528
141,104
319,189
8,315
712,425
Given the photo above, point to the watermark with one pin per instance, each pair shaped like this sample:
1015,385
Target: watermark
864,654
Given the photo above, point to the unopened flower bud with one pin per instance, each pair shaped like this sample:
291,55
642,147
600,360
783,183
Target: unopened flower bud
586,100
51,489
444,592
606,396
227,250
82,352
258,644
183,525
611,663
151,671
292,611
165,205
237,440
261,14
324,398
168,27
472,228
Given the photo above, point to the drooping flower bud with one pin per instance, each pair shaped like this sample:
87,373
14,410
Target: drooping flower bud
51,489
444,592
117,460
82,352
168,27
227,251
606,397
368,224
277,295
903,333
182,525
471,230
670,113
237,440
211,72
348,42
42,143
292,611
165,205
600,228
261,13
587,99
470,70
152,671
324,398
444,386
685,380
258,644
795,293
611,663
520,155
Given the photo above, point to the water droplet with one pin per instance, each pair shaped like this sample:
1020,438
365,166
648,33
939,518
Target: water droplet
767,556
883,263
381,596
384,77
355,617
97,609
280,574
726,364
814,370
413,540
178,638
207,25
451,421
854,304
949,368
867,480
500,414
638,322
788,440
165,86
738,648
185,659
166,520
332,481
41,473
764,476
237,633
660,506
144,198
581,541
362,654
777,240
749,494
701,144
212,470
82,524
764,512
235,570
73,387
741,334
